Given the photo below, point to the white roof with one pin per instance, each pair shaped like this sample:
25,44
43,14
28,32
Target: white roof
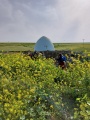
44,44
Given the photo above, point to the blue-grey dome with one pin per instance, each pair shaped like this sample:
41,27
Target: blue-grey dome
44,44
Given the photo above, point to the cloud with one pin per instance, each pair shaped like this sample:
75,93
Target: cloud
60,20
75,13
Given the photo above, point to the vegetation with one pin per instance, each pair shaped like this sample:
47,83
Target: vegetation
73,46
16,46
58,46
35,89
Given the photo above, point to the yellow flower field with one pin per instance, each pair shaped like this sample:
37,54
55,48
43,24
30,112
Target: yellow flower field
28,90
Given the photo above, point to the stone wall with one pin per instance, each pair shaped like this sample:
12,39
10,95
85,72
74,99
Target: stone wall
49,54
54,54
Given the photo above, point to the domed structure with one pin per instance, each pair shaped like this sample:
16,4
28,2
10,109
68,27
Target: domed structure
44,44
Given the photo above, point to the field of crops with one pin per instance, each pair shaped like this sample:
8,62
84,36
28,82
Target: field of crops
35,89
58,46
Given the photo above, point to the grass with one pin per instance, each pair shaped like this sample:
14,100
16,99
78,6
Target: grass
73,46
58,46
16,46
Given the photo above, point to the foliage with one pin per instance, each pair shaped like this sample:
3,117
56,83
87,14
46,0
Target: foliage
33,89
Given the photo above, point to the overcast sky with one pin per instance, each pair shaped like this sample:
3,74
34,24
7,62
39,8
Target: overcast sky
59,20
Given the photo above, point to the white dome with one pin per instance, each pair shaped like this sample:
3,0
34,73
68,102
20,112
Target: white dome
44,44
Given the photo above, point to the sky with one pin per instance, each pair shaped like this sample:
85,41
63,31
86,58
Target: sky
62,21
